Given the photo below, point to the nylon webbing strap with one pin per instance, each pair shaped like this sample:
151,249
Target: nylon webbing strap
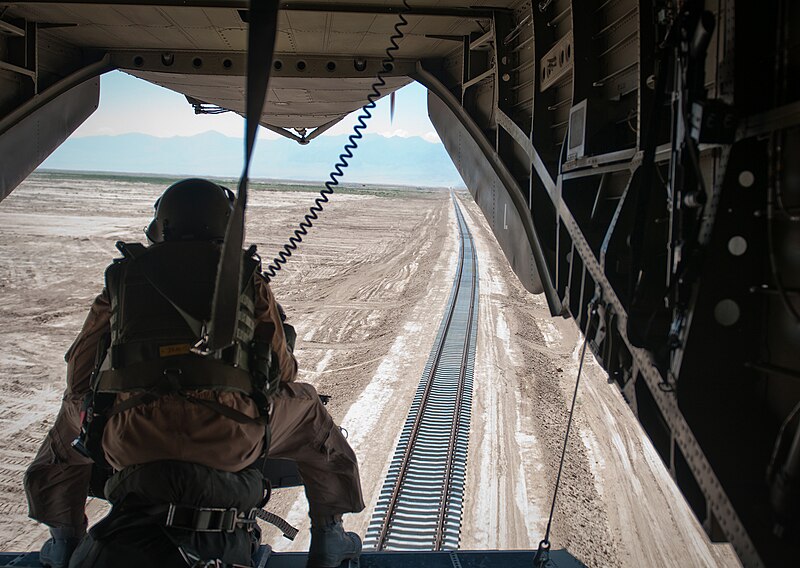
190,373
288,530
263,24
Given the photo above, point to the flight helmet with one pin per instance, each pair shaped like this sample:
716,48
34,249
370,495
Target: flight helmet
191,210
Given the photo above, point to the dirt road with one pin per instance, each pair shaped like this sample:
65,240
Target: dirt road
366,294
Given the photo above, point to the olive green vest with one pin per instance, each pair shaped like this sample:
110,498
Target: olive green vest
160,305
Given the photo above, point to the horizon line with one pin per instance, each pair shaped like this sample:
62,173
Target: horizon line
224,135
277,181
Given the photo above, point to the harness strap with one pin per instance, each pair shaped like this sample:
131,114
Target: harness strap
262,29
227,411
282,524
204,519
133,353
183,372
142,398
211,519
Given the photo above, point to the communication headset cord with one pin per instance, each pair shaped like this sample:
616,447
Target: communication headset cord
387,65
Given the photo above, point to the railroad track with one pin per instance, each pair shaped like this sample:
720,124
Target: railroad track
419,507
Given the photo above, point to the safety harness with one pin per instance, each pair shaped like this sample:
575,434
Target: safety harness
160,306
160,303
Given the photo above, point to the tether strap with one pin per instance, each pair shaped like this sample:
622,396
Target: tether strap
263,23
288,530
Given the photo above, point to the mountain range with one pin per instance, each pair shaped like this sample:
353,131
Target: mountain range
378,159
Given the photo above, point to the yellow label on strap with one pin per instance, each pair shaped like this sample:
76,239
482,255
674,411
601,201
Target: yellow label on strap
172,350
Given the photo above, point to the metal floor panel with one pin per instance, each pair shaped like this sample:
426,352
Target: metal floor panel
462,558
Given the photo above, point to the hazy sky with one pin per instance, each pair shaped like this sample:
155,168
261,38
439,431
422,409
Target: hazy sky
129,104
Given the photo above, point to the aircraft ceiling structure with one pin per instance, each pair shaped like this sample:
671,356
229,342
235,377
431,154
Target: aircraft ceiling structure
326,57
636,160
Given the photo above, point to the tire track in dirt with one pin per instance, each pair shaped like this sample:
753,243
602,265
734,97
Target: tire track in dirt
350,308
57,236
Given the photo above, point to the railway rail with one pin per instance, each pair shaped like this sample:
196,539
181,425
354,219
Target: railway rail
420,505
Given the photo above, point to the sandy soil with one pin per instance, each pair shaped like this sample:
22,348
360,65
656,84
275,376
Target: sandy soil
617,505
366,294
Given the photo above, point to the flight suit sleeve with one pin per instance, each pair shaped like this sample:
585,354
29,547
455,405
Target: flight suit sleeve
272,327
81,355
57,481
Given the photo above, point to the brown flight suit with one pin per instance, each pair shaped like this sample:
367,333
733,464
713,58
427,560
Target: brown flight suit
171,428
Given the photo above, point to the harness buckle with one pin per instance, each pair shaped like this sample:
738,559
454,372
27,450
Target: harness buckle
203,519
199,348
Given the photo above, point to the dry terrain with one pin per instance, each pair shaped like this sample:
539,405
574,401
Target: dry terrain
366,294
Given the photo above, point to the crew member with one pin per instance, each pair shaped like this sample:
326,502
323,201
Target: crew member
184,431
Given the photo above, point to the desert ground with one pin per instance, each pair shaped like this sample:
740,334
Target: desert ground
366,293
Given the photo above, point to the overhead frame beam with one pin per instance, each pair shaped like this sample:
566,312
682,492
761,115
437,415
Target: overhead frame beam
232,63
482,12
17,69
10,29
468,12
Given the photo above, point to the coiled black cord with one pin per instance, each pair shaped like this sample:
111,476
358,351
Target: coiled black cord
313,212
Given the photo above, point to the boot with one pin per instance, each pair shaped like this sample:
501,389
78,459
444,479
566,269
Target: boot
330,544
58,549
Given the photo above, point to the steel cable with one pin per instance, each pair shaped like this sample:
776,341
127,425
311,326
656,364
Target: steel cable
542,554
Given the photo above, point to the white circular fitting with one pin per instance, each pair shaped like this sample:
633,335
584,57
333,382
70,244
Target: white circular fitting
746,178
737,246
727,312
